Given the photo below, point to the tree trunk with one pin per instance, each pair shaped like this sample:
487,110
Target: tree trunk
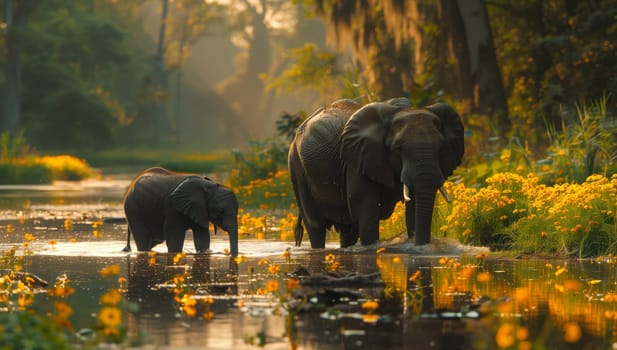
11,116
480,78
161,78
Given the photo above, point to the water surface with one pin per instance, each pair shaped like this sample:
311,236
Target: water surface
442,297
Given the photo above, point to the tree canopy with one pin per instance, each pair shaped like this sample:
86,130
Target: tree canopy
87,74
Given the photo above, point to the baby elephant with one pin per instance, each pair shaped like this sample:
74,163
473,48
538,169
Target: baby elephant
160,205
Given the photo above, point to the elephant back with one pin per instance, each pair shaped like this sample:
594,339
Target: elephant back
153,185
318,142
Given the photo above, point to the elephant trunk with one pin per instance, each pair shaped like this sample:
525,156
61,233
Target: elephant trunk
233,238
422,178
425,202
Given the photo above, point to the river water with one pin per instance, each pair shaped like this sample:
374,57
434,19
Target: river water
392,295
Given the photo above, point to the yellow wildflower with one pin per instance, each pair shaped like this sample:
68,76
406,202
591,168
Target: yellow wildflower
60,291
330,258
272,286
560,270
111,297
370,305
179,257
370,318
63,310
110,316
521,294
415,276
274,269
505,335
286,254
572,332
292,284
484,277
110,270
25,300
240,259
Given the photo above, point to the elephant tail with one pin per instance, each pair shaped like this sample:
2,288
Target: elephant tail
299,230
127,249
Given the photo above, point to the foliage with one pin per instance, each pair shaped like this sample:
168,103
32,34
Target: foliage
272,192
12,145
527,216
26,330
24,172
71,65
262,160
66,167
585,144
45,169
566,55
31,319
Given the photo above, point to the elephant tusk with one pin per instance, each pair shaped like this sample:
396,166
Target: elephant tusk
406,193
444,193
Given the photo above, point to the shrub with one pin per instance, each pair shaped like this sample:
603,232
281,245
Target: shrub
24,172
65,167
260,161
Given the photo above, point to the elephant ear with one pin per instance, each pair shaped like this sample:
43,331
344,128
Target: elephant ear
363,144
191,197
454,133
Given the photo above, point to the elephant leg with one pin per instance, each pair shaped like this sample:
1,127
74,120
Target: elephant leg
139,226
142,235
363,200
366,214
174,228
317,236
201,238
349,235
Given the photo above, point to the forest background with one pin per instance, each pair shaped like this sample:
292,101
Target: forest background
87,76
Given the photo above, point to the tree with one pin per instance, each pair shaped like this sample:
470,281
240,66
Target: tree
386,59
16,14
401,46
479,75
78,74
254,26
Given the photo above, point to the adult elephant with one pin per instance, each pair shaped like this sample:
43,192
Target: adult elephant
350,164
160,205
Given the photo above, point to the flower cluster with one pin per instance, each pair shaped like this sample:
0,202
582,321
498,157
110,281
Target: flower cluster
522,213
272,192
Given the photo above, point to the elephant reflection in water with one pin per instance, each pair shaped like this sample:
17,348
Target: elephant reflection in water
149,276
350,164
